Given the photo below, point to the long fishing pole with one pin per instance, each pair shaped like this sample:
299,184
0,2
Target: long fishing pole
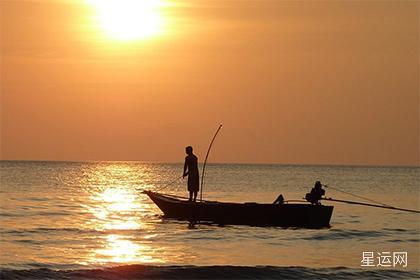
205,162
371,205
355,195
168,184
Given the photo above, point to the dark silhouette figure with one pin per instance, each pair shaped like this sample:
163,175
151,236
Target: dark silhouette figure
279,200
316,194
191,169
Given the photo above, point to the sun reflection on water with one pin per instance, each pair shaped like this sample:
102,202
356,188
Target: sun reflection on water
116,208
121,250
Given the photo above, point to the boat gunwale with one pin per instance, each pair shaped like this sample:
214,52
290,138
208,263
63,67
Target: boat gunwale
176,199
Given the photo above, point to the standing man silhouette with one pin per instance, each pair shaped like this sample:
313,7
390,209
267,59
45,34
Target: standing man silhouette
191,169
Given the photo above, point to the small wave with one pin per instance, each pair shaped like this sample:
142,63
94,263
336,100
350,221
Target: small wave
47,229
25,232
34,214
416,240
29,241
396,229
336,234
207,272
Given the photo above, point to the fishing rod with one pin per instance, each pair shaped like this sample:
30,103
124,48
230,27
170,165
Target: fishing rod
371,205
168,184
205,162
355,195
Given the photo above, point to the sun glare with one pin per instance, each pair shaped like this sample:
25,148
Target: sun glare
129,19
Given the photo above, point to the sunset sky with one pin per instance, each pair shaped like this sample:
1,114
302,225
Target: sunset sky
301,82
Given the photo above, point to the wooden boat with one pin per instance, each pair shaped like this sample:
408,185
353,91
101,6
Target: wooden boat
304,215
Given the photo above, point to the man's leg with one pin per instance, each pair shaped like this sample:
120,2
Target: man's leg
191,196
195,196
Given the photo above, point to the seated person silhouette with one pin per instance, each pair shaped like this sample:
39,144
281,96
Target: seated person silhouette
316,194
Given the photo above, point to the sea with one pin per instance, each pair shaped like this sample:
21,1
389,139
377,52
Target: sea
90,220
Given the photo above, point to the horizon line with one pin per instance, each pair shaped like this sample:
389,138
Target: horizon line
219,163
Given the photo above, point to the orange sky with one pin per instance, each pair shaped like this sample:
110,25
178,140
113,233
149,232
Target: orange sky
308,82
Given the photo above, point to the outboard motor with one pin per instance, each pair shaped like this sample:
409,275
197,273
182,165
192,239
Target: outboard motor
316,194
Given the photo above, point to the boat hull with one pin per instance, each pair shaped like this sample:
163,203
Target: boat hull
254,214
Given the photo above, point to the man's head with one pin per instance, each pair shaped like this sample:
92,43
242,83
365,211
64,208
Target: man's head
189,150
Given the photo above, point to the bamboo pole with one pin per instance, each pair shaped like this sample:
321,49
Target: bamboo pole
371,205
205,162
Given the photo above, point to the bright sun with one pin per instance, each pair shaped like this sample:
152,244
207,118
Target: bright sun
129,19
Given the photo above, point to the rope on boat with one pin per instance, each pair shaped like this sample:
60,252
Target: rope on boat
358,196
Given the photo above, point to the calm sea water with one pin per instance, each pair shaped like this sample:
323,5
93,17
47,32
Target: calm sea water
74,216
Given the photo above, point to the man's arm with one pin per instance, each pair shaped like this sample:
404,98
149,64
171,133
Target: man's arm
185,169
